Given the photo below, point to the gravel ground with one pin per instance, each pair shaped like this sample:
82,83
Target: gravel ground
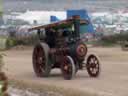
26,92
113,80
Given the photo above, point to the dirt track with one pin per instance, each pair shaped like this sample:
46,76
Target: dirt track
113,80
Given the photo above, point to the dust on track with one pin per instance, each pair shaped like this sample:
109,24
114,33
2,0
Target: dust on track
113,80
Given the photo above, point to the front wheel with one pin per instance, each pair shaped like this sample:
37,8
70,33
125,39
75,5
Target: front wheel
93,66
68,68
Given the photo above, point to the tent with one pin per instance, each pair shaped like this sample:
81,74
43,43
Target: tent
84,15
54,19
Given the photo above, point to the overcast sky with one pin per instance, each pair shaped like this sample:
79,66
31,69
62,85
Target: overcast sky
23,5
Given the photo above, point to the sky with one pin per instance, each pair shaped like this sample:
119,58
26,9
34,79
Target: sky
23,5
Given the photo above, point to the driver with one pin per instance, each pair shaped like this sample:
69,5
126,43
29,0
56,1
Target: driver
51,36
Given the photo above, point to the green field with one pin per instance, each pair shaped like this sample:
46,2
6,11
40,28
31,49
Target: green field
3,43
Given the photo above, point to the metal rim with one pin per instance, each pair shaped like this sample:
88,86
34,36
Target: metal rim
39,60
93,66
68,68
81,50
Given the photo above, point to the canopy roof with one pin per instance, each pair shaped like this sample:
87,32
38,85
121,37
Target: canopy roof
59,24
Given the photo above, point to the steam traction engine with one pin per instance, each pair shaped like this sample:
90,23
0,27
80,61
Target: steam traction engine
61,47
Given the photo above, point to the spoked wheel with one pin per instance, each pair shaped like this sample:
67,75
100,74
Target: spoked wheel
40,60
93,66
68,68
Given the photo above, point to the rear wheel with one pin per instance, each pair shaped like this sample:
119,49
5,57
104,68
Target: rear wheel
68,68
93,66
41,61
